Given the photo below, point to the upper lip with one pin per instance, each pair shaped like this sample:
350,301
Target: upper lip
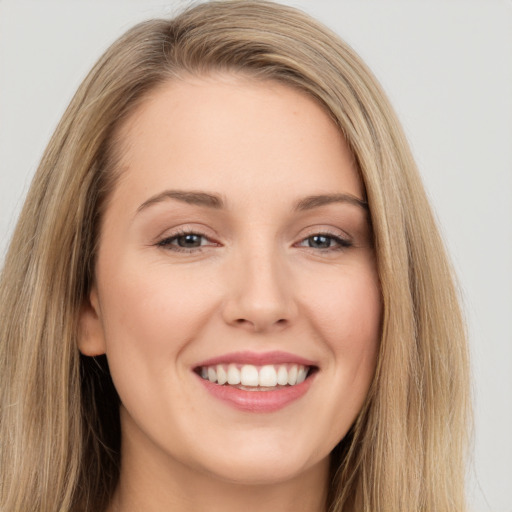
257,359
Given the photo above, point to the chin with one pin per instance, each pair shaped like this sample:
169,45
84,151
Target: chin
258,475
262,467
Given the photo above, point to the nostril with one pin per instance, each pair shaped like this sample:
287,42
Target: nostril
260,325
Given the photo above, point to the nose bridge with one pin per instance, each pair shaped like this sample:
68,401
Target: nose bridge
260,295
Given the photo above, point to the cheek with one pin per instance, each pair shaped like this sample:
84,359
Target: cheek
347,313
151,315
347,308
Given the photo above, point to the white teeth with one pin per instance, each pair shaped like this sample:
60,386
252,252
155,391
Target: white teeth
233,375
267,376
222,376
249,375
282,376
212,374
301,377
292,375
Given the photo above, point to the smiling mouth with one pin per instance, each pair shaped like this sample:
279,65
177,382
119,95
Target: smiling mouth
250,377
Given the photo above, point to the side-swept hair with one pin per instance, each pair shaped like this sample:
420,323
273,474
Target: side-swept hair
59,424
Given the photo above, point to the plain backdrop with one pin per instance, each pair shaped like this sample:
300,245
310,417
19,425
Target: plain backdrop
447,67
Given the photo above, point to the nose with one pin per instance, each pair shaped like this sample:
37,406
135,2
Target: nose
260,296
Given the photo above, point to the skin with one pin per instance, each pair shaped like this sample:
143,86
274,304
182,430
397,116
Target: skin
258,282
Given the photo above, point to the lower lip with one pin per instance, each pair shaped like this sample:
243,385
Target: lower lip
258,401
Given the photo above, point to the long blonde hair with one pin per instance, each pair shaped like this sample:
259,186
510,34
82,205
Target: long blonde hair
59,425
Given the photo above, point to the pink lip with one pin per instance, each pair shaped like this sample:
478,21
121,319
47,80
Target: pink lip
258,401
257,359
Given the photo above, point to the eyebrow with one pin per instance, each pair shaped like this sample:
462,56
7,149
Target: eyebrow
316,201
216,202
195,198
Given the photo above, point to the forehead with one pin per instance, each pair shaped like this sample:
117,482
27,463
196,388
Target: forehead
230,134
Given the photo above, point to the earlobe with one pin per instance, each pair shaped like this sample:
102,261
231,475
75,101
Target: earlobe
91,336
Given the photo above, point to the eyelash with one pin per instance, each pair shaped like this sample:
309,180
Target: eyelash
167,243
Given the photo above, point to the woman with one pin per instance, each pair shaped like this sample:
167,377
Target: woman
230,215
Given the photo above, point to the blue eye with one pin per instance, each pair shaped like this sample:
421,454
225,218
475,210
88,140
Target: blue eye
325,242
189,241
184,242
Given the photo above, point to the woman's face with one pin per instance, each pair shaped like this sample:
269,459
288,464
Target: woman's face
235,246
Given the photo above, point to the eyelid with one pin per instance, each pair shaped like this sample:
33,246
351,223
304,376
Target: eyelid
319,229
185,229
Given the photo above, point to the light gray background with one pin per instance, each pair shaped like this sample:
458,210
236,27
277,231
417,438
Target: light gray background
447,66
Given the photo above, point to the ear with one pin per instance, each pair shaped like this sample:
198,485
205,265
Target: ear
91,335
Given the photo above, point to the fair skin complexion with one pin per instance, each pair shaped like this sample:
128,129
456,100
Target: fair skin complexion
212,244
